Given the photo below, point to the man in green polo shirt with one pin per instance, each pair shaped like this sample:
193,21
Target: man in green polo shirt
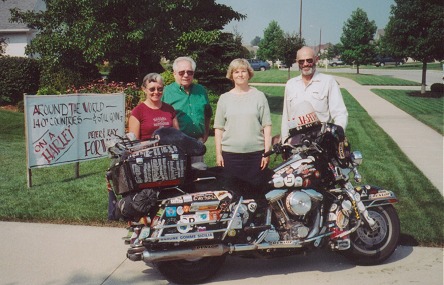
190,100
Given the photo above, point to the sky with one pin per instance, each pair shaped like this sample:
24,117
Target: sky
322,20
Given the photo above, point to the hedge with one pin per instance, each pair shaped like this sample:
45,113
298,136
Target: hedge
18,75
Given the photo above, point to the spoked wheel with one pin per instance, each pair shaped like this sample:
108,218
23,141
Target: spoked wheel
369,247
190,271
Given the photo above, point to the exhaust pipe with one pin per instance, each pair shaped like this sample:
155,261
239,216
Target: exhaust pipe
186,253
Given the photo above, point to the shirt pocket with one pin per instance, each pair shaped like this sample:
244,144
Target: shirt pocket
319,100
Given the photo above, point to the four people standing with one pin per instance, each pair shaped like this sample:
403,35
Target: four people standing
242,122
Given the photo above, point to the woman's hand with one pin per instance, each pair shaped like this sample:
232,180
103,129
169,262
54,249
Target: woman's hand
264,162
219,160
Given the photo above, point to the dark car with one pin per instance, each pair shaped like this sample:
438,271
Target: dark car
336,62
388,60
257,64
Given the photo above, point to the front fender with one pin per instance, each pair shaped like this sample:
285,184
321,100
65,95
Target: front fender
373,196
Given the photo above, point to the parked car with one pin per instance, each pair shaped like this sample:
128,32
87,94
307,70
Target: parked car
257,64
336,62
384,60
281,64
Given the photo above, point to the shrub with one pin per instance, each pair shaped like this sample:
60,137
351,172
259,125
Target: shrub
62,76
437,87
18,75
123,72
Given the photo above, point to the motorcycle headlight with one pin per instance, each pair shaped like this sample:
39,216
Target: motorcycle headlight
356,157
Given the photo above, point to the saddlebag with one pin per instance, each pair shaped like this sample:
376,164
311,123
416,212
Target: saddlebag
158,166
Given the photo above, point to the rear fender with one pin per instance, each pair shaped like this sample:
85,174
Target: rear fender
373,196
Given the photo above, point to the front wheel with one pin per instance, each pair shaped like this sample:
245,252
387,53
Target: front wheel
373,247
190,271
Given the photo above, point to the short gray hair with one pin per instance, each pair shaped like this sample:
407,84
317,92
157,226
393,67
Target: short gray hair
184,58
152,77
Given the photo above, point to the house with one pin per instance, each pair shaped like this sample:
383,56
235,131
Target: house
17,35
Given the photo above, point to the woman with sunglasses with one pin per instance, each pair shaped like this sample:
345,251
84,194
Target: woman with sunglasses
152,114
320,90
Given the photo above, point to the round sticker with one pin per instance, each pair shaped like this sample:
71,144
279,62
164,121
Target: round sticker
180,210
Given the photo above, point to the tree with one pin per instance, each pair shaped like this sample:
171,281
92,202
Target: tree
255,41
334,51
269,47
357,39
289,47
416,29
2,46
137,32
213,55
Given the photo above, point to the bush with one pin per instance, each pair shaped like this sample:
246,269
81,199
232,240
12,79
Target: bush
62,76
437,87
18,75
123,72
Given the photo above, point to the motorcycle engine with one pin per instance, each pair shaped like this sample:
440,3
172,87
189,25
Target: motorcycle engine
293,210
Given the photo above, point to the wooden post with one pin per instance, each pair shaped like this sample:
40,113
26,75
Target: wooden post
77,170
29,177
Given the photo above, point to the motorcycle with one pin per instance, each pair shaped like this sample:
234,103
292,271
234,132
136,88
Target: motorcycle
310,203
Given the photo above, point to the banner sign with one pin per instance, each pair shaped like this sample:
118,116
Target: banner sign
70,128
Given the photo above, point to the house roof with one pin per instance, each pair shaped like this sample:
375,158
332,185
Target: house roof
5,13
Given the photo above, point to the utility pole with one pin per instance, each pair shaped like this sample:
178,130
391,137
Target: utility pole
320,38
300,20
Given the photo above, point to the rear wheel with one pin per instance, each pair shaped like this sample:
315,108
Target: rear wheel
190,271
373,247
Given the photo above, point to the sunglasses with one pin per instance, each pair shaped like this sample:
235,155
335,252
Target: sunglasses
308,60
152,89
189,72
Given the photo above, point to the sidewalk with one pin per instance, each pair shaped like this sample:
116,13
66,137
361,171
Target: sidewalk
422,145
47,254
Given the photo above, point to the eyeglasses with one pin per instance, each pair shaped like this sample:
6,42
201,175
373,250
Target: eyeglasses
308,60
189,72
152,89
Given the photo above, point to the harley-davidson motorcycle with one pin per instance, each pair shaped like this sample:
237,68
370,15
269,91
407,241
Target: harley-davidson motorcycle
186,230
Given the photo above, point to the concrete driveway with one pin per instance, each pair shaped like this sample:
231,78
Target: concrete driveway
46,254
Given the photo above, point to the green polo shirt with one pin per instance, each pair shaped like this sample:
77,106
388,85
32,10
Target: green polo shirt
190,108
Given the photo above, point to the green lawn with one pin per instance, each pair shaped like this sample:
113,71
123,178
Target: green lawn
58,197
427,110
281,76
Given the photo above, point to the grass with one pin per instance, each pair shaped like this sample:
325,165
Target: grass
281,76
56,196
425,109
370,79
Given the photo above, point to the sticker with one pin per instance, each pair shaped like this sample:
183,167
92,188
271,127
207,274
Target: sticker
298,181
187,237
202,216
180,210
187,198
278,182
221,195
204,206
176,200
289,180
186,208
214,215
170,212
380,194
252,207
